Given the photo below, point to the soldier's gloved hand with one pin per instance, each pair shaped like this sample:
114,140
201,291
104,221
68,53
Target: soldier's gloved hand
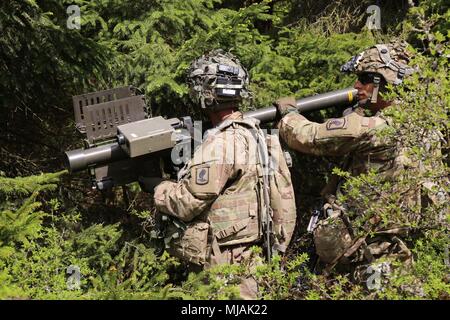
148,184
285,105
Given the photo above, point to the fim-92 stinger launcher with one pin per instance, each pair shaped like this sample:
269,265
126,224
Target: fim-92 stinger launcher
122,142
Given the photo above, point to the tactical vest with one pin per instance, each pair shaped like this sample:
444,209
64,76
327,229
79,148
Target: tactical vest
236,216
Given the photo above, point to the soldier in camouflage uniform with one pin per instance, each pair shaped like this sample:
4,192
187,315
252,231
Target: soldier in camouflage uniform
218,201
355,138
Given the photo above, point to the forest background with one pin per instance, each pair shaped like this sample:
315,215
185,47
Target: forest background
52,225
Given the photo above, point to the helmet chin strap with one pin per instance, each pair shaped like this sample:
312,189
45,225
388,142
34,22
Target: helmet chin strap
373,98
376,88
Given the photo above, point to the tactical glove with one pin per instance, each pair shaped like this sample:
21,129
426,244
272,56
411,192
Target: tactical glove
285,105
148,184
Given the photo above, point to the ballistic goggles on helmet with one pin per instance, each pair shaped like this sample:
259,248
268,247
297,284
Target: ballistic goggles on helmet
367,77
228,84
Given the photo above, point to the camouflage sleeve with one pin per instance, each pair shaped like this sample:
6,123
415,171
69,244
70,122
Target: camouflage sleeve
208,172
335,137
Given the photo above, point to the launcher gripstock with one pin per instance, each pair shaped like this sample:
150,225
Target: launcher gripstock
122,143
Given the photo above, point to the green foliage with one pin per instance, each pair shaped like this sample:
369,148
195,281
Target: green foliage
38,246
42,63
21,221
218,283
26,185
154,46
278,280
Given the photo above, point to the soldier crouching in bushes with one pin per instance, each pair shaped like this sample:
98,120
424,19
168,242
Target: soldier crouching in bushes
358,139
230,195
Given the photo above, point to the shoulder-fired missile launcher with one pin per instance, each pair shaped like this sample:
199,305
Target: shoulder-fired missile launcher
123,141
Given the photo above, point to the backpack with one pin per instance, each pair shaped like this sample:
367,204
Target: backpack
265,212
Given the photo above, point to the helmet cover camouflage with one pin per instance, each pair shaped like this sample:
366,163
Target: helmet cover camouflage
217,77
389,60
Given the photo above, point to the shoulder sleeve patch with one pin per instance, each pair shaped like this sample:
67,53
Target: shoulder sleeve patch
202,175
337,123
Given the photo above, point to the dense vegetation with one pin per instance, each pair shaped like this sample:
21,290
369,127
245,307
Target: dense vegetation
50,221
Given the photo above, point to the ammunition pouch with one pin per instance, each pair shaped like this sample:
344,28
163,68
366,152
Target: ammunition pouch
189,243
234,219
336,244
331,239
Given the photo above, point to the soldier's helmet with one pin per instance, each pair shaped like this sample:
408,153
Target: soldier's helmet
217,77
389,60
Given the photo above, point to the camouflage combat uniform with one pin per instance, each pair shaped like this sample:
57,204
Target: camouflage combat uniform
236,191
237,183
219,196
354,137
358,140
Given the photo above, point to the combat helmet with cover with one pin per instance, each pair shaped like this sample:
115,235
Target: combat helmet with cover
217,77
389,61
